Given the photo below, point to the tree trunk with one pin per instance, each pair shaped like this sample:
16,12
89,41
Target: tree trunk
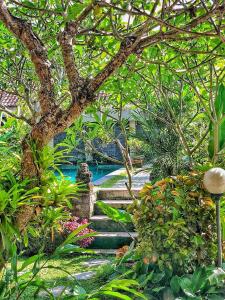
29,169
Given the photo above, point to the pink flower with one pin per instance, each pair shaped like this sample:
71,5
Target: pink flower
73,224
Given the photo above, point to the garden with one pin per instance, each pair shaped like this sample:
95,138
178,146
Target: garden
112,149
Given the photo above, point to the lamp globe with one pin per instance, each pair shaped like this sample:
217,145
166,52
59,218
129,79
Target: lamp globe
214,181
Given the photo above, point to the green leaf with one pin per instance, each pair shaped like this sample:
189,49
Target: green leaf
79,291
116,295
74,10
186,286
198,279
217,276
158,277
71,236
70,248
220,102
30,260
116,215
174,284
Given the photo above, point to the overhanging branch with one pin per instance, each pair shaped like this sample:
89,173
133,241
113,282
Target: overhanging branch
23,31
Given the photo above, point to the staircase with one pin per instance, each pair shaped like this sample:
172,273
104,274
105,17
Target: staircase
112,235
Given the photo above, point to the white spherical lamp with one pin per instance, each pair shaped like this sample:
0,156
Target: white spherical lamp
214,182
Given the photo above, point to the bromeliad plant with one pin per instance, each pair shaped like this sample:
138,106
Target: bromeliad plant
175,221
28,207
14,195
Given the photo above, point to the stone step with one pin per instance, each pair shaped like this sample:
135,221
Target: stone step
116,193
121,204
104,223
112,240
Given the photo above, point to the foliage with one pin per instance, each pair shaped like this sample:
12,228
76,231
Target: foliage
217,128
175,221
203,283
11,134
49,201
117,215
14,195
160,145
17,278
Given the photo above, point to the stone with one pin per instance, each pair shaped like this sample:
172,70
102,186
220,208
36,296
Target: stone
84,175
96,262
84,205
56,291
84,275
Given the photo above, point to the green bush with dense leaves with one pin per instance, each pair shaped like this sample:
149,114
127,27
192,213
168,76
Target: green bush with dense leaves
175,221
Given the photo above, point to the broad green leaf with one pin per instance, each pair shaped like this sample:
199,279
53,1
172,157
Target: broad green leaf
174,284
116,295
30,260
116,215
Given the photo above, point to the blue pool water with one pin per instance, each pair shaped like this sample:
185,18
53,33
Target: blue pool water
97,171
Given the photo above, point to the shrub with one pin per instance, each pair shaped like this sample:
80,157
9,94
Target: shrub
48,239
175,221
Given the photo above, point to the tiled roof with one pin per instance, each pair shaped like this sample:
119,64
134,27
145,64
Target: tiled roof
8,100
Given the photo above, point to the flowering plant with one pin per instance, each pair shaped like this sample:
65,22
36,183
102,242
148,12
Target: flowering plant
73,224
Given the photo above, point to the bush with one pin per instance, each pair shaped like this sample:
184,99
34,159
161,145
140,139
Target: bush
175,221
48,239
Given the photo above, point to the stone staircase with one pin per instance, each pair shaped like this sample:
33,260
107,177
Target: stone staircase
112,235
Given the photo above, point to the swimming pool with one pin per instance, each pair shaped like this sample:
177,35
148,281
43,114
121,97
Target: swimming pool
97,171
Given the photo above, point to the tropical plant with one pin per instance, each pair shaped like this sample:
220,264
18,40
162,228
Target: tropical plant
16,280
14,195
175,221
160,147
203,283
27,212
117,215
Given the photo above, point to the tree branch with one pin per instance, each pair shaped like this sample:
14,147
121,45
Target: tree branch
185,29
66,40
23,31
8,112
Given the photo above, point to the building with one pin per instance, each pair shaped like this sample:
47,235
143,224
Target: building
8,102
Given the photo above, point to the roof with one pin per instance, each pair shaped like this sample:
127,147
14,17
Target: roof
8,100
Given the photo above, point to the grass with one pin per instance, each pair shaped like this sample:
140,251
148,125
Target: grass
60,274
113,180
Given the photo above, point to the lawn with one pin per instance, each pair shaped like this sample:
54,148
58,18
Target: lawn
113,180
60,273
